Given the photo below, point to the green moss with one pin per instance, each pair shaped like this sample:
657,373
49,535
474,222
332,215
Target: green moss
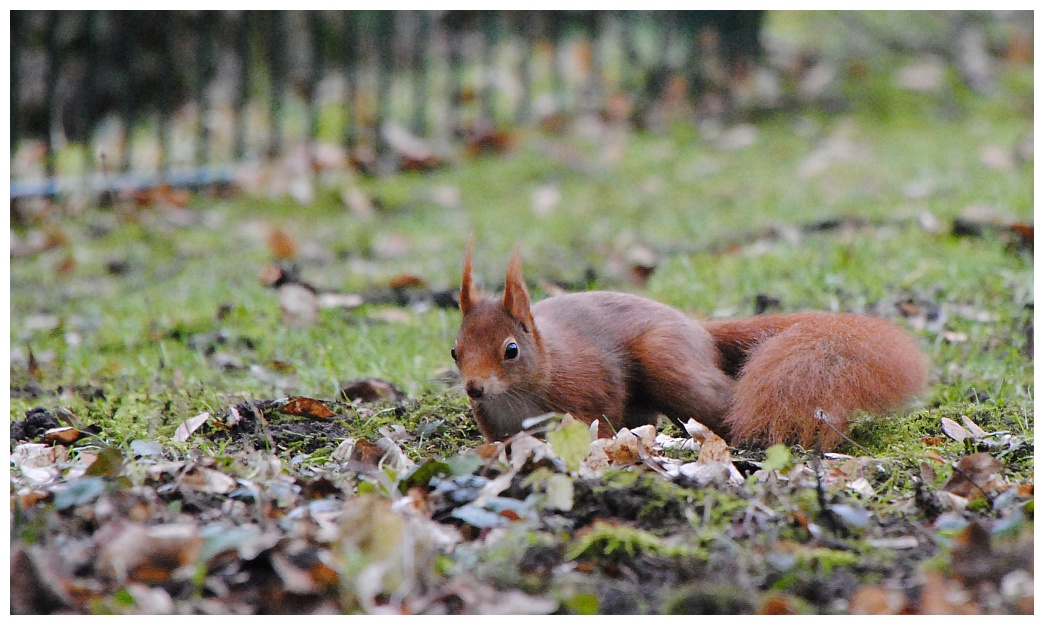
623,542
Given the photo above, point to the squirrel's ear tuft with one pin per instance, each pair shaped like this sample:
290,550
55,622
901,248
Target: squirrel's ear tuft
467,287
516,297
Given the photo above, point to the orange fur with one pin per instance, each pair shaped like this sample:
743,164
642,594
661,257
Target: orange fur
796,363
622,360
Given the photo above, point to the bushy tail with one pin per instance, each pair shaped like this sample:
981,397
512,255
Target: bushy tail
787,366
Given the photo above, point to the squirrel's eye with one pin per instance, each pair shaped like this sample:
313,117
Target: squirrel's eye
453,353
511,352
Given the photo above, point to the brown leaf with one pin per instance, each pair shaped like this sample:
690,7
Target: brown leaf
38,586
281,366
34,366
973,557
307,407
944,596
64,436
281,244
927,473
1024,233
208,481
488,451
147,554
371,390
492,142
714,450
323,575
875,600
405,280
29,498
409,163
554,124
366,453
163,195
54,237
778,604
621,451
978,473
934,456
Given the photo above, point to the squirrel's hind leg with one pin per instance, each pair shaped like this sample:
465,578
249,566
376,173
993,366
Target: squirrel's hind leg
679,377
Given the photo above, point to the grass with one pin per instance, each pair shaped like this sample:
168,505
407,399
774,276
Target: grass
139,333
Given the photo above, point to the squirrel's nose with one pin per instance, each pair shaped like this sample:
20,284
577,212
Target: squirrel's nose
474,389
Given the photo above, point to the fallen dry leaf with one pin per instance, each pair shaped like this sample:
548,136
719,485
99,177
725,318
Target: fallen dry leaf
953,429
405,280
875,600
714,450
488,451
306,407
65,436
972,554
189,426
366,453
978,474
208,481
370,390
281,244
778,604
491,142
147,554
298,303
523,447
1025,234
976,432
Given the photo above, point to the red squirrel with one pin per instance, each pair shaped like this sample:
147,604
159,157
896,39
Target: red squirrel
622,359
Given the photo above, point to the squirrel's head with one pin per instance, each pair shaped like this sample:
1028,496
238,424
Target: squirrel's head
498,347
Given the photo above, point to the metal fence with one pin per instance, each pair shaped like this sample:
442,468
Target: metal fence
180,96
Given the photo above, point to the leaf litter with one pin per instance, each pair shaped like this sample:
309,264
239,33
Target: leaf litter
165,530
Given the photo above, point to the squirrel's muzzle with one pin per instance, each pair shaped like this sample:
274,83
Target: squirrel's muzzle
474,389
